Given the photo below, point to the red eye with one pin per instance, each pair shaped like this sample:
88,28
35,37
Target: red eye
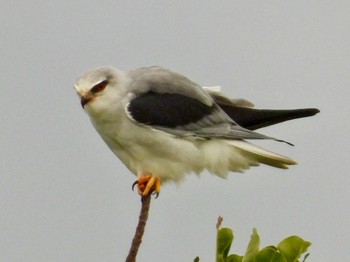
99,87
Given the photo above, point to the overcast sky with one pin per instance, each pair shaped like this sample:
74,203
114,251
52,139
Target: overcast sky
65,197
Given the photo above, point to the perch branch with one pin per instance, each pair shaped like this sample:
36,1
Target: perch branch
136,242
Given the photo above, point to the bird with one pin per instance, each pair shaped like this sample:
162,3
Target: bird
164,126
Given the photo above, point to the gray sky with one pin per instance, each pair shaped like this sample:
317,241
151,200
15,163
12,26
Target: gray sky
65,197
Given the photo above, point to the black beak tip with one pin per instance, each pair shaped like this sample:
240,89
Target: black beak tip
83,101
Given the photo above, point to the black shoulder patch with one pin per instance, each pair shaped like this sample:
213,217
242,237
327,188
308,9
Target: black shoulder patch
167,110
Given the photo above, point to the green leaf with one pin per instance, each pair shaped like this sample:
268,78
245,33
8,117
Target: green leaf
292,247
253,247
196,259
269,254
234,258
223,243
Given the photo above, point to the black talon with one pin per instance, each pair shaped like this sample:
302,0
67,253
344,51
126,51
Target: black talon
133,185
155,193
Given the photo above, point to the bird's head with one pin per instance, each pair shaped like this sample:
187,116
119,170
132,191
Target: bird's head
98,88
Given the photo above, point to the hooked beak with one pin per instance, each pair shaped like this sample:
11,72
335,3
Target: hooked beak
84,100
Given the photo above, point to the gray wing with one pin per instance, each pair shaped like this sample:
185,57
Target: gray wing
168,101
163,81
243,113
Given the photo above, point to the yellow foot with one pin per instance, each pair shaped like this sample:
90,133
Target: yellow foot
147,184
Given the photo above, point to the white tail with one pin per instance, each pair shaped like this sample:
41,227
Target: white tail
262,155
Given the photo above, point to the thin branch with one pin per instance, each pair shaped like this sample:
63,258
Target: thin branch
218,224
136,242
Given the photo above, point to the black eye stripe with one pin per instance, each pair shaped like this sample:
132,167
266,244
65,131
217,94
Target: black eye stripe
99,87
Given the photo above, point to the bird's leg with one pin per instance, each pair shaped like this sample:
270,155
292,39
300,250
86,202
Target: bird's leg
147,184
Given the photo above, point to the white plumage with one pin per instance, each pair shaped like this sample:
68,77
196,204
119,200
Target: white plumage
131,112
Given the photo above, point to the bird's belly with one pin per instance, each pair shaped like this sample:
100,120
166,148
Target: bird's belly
143,149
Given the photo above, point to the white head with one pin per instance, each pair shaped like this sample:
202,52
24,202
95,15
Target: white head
99,87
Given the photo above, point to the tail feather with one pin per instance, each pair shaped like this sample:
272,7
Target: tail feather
261,155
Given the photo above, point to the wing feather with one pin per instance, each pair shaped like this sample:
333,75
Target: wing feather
163,81
168,110
168,101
